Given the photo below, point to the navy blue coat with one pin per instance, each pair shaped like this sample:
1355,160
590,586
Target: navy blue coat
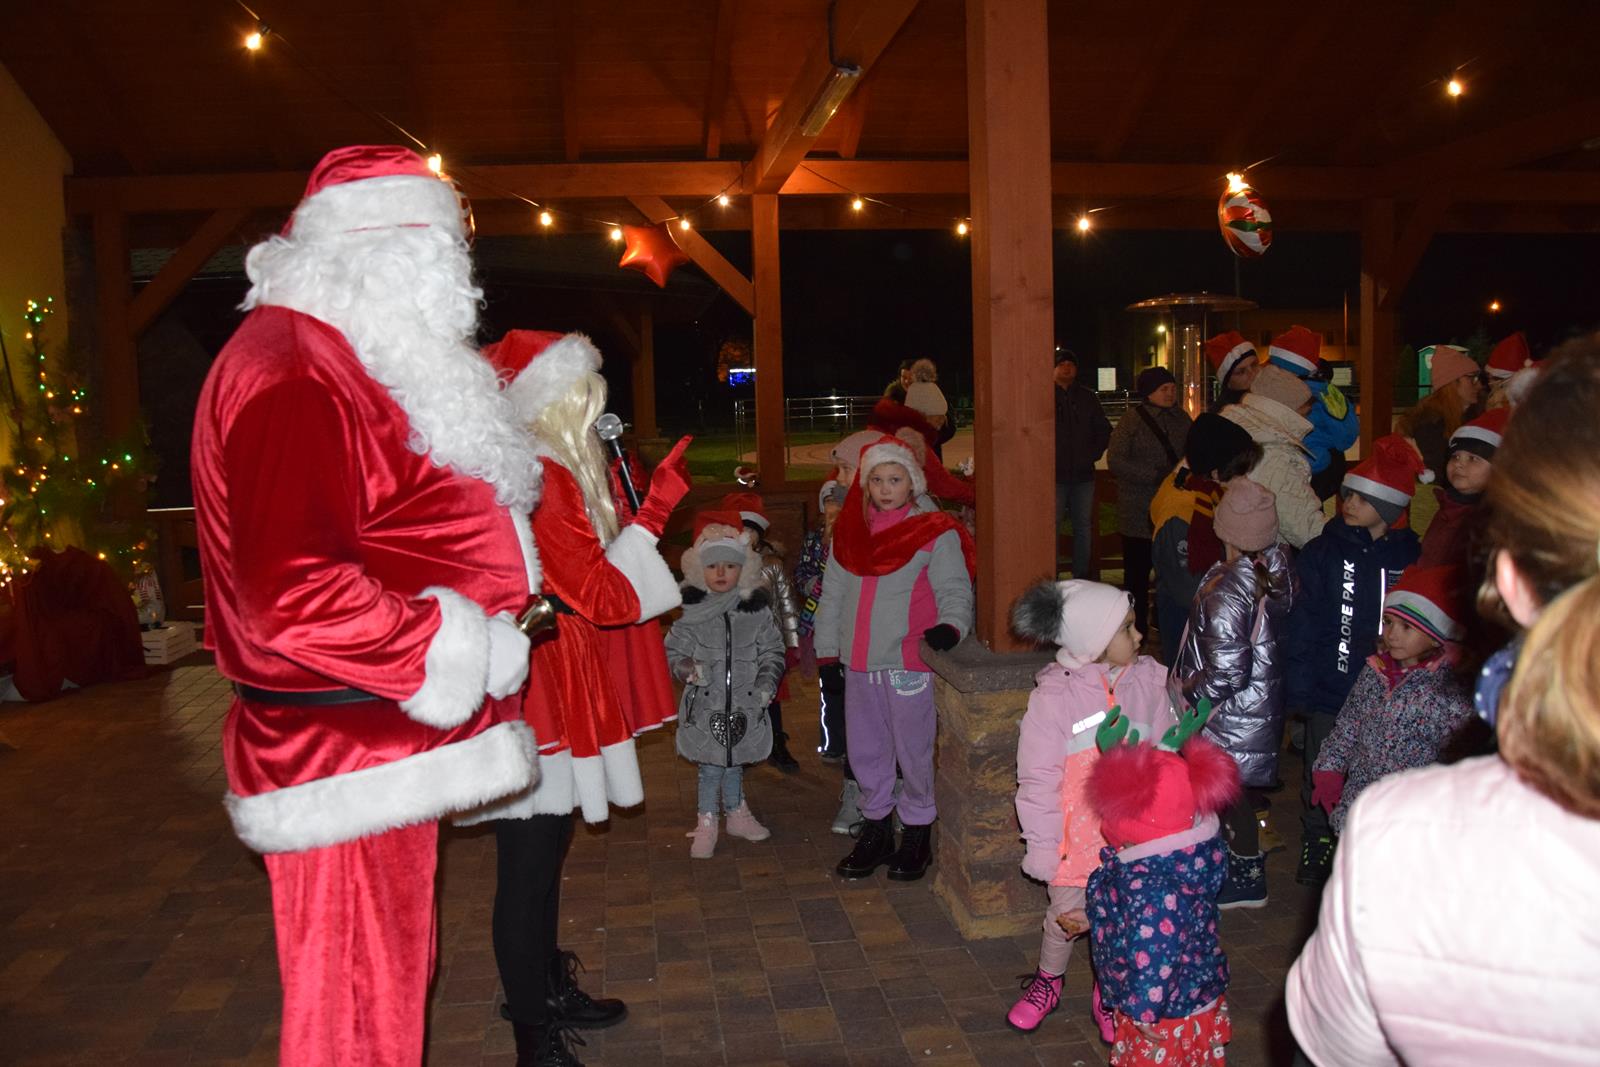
1333,626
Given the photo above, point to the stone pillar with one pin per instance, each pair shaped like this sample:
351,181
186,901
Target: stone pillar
980,696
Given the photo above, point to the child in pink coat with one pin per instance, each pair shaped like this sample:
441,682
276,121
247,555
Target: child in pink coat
1097,667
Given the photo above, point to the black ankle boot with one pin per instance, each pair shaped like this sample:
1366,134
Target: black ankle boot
780,757
916,852
572,1005
873,848
546,1045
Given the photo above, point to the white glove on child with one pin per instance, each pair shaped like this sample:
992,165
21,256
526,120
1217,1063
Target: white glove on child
508,656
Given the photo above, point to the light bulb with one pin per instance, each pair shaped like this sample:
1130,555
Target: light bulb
1454,87
1494,305
683,224
857,204
961,228
1083,223
722,200
545,218
436,163
616,233
1236,182
252,40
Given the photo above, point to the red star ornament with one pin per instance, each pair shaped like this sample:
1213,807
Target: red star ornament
652,252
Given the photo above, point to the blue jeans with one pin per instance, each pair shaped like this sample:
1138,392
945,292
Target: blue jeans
715,779
1078,498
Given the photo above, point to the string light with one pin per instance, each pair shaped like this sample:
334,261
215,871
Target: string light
545,218
436,163
1083,223
616,233
722,200
962,228
857,204
1494,306
683,223
253,40
1454,87
1236,182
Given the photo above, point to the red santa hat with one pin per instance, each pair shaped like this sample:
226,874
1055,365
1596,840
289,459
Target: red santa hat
541,366
1482,436
1433,599
374,187
1226,351
1390,474
748,507
1509,356
1297,350
893,450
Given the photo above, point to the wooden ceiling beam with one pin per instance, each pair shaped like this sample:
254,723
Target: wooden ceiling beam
1408,31
169,281
862,29
1515,143
853,118
717,86
1135,93
1256,109
88,66
567,50
728,277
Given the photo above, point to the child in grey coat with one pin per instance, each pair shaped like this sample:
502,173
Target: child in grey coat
727,651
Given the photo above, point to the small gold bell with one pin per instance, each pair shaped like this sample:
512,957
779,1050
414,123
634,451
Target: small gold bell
539,615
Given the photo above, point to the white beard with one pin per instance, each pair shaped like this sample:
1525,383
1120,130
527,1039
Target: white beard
405,301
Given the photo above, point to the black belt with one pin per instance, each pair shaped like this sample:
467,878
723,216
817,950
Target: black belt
306,699
559,606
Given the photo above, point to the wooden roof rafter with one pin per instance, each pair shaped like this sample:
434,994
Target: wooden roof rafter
716,105
1153,65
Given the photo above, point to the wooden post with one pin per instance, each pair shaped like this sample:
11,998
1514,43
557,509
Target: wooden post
770,452
644,376
1013,305
1375,360
119,358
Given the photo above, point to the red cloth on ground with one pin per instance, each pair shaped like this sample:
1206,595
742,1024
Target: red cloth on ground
864,553
74,620
356,948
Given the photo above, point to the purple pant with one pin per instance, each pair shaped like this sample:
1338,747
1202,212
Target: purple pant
889,719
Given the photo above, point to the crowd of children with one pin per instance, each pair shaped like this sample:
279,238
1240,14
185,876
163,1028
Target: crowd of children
1350,624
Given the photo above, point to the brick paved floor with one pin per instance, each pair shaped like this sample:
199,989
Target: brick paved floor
133,927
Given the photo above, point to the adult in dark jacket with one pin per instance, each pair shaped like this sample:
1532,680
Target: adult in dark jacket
1144,448
1082,432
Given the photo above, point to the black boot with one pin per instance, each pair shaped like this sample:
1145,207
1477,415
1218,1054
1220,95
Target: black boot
916,852
572,1005
780,757
546,1045
874,846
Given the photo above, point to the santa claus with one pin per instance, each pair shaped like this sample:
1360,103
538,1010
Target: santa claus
600,571
362,492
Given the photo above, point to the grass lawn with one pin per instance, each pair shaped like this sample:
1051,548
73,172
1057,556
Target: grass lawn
713,456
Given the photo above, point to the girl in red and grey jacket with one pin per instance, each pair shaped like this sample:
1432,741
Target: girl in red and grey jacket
1097,667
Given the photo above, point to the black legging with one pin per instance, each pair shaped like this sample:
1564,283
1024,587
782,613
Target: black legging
1136,562
527,908
1240,819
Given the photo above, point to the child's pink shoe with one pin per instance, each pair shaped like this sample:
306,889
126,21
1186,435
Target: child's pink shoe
705,837
741,823
1040,997
1102,1018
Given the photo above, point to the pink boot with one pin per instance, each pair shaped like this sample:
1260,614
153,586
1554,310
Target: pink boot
705,837
1102,1018
1040,997
741,823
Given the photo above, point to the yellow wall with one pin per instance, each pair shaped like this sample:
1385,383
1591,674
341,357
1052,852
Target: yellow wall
32,216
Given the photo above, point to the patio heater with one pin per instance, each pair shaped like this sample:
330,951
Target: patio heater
1189,319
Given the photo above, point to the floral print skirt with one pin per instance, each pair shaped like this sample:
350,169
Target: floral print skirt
1197,1040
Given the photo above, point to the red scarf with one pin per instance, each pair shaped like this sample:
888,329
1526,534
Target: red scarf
866,554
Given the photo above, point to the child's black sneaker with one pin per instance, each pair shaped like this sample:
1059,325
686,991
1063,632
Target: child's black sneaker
1316,861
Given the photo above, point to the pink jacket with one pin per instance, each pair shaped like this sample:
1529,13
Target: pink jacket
1056,752
1458,927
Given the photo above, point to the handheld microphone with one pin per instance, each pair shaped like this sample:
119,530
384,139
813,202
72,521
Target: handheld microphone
609,429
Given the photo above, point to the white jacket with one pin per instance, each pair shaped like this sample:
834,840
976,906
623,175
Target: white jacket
1459,927
1284,467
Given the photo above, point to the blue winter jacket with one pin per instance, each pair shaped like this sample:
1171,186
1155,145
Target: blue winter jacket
1153,924
1333,626
1328,433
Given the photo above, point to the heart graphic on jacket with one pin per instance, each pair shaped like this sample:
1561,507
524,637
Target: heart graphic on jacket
725,722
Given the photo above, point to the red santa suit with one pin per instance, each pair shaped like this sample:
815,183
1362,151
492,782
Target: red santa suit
346,554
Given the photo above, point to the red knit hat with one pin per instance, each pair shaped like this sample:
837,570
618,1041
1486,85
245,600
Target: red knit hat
1226,351
1509,356
1390,474
749,508
1433,599
374,187
541,366
1482,436
1297,350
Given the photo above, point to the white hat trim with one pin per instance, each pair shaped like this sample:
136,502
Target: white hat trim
1425,609
551,374
1477,433
1293,358
1230,362
377,204
1371,488
893,452
757,518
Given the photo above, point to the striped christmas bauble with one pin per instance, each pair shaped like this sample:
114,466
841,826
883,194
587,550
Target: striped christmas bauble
1246,223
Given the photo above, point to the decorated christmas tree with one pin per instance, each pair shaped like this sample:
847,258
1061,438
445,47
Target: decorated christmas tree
55,491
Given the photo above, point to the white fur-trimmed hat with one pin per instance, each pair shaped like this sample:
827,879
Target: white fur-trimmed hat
541,366
373,187
893,450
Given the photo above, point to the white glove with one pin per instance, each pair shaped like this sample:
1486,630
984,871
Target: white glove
508,656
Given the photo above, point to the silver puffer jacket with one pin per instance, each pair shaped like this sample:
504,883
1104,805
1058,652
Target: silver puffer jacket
1233,653
785,605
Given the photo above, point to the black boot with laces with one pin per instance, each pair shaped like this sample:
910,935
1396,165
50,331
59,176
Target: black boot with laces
571,1004
874,846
